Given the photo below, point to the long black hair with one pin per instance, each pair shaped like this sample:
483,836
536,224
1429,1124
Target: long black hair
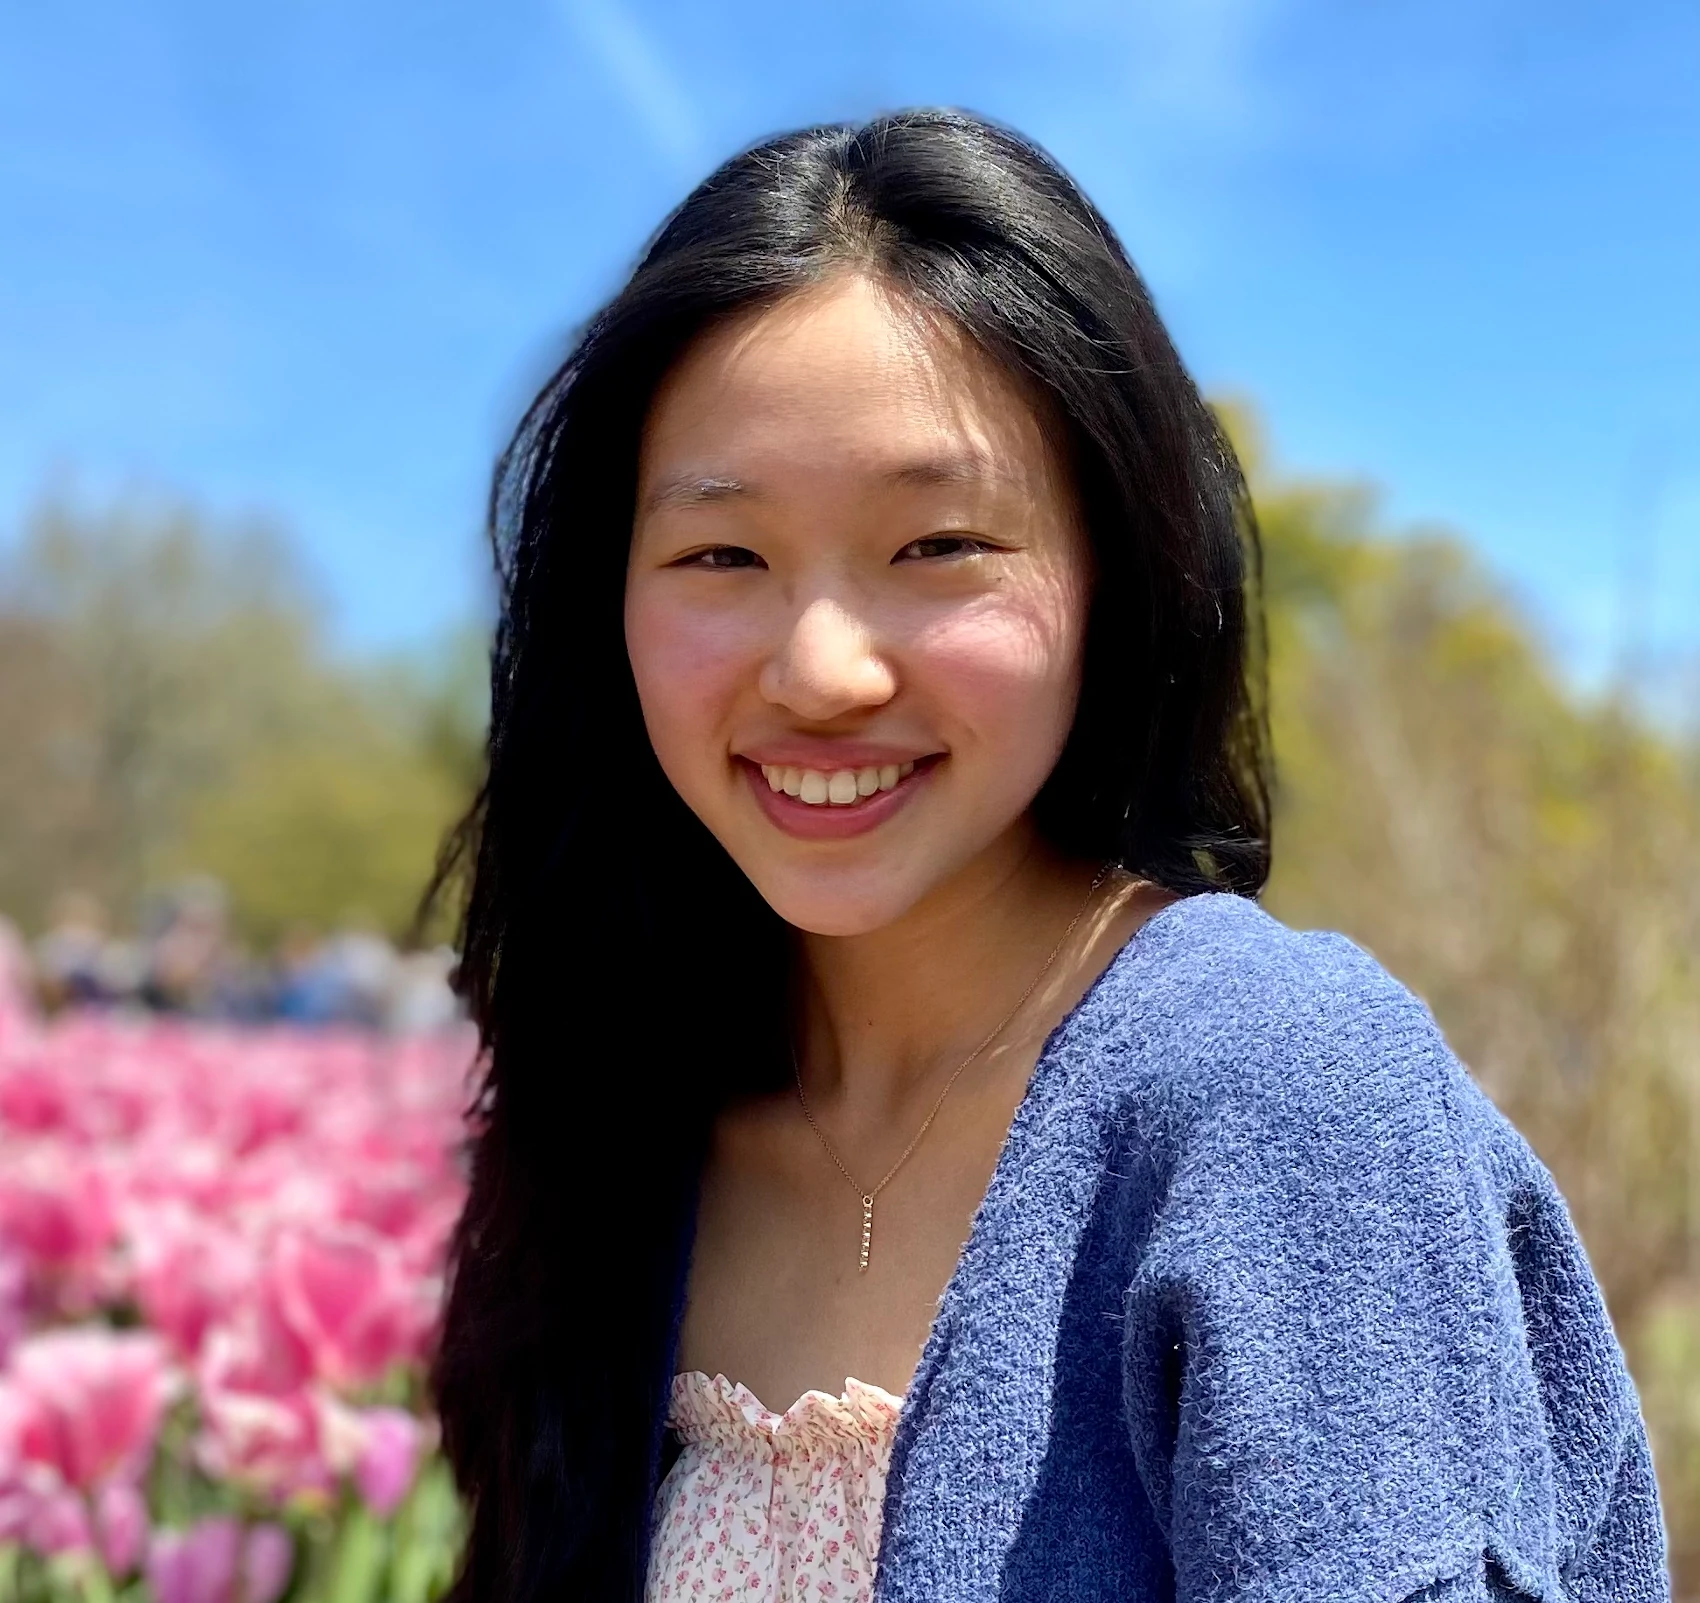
627,979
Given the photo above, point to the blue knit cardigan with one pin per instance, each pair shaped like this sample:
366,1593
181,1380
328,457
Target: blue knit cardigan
1266,1302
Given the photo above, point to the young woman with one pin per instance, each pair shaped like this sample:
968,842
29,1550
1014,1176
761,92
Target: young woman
910,1165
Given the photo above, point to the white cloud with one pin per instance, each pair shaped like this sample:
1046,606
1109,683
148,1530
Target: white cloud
641,76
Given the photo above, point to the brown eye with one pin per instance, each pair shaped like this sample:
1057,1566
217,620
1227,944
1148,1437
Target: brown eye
721,556
944,546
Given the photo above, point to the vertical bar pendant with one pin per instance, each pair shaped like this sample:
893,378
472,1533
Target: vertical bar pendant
867,1232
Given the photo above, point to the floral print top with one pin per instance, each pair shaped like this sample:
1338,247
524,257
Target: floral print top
771,1508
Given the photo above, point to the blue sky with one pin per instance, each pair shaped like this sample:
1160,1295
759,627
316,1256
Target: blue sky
308,259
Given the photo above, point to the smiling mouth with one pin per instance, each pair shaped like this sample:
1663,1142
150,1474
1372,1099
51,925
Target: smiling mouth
839,787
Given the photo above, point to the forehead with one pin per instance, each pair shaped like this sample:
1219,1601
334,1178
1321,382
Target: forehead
844,380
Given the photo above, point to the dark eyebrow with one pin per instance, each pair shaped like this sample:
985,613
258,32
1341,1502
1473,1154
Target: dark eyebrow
947,470
692,490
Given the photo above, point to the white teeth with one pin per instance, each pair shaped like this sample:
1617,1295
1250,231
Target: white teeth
840,788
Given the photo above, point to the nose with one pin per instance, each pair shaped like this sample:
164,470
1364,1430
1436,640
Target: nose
826,666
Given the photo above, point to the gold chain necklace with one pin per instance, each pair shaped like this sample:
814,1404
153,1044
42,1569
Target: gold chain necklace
870,1196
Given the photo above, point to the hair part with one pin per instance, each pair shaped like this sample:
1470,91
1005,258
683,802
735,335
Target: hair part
627,980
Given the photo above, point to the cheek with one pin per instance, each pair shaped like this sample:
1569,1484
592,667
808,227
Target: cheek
1009,670
688,667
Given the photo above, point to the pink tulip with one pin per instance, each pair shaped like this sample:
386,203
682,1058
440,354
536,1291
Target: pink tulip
385,1197
14,1513
57,1521
377,1448
90,1402
275,1205
216,1561
56,1212
384,1470
14,1286
260,1421
255,1350
16,1413
268,1560
121,1526
263,1111
186,1271
344,1293
33,1097
425,1247
270,1444
38,1508
199,1565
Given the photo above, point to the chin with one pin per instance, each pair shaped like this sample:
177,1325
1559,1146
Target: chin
820,902
816,914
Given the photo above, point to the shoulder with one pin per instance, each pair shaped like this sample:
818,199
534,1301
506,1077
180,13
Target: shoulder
1354,1259
1217,1009
1230,967
1225,1045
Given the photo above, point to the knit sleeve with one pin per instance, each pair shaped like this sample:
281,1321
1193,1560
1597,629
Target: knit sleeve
1365,1357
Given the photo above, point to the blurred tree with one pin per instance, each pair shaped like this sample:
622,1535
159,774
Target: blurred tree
168,705
155,653
341,825
442,696
48,816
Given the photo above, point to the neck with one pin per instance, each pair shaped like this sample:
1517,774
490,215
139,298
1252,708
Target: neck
885,1015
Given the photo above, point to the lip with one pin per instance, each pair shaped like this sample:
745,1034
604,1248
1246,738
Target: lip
827,822
828,756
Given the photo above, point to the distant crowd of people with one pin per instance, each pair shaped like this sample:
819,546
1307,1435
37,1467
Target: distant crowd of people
183,959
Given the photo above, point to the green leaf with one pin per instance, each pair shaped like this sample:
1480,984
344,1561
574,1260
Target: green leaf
359,1559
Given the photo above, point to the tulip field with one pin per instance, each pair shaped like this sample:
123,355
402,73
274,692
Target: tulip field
221,1256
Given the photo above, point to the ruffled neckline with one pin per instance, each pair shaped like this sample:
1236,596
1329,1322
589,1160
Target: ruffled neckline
713,1408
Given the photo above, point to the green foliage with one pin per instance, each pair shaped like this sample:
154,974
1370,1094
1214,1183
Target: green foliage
137,657
323,834
344,1554
349,1555
175,709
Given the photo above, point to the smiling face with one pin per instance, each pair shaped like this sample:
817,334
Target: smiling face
856,600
